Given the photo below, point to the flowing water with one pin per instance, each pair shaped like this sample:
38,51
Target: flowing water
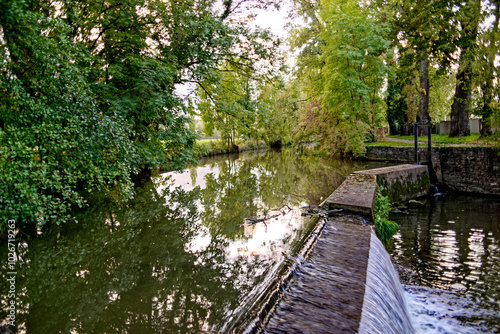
175,259
384,307
448,256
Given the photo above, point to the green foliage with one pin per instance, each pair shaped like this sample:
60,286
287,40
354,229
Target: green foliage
426,29
342,70
88,95
346,138
354,68
56,145
385,228
278,112
396,107
344,62
230,102
227,104
441,96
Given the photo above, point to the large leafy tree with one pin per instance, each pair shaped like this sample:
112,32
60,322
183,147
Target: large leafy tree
426,35
352,45
278,113
227,103
55,141
486,72
468,20
88,94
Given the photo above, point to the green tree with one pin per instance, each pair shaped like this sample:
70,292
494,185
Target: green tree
425,37
468,20
88,94
341,52
278,112
227,104
486,73
442,85
396,107
353,74
56,144
306,43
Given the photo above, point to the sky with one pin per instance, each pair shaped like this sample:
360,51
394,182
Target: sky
267,19
274,20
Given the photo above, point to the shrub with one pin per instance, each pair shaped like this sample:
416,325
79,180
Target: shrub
385,228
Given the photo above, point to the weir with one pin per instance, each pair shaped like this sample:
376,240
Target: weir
348,284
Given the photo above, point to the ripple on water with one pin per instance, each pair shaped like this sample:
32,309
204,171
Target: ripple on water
448,255
440,311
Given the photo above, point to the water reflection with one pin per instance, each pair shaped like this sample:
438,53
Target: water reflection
174,259
454,245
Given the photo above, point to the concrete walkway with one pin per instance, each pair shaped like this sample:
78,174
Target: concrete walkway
326,295
357,193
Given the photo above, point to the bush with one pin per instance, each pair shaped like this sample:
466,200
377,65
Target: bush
385,228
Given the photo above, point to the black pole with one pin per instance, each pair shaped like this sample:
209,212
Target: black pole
416,143
429,144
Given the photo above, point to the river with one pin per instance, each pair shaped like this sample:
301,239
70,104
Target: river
177,258
448,256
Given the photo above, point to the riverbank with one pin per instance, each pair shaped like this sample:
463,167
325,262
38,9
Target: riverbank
213,146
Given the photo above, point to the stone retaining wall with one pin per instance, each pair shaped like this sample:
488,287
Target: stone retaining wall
357,193
466,169
401,183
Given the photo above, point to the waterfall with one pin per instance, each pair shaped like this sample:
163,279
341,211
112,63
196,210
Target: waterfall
384,307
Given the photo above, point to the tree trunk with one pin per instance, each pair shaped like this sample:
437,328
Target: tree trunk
459,126
488,85
487,89
423,104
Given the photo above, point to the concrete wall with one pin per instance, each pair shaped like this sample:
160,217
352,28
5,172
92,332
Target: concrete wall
443,127
402,182
357,193
467,169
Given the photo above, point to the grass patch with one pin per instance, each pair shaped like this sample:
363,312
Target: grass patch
445,139
437,140
390,143
206,141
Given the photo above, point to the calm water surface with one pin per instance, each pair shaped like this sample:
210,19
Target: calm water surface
176,259
448,256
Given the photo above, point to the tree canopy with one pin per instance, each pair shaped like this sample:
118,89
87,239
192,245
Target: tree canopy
379,62
90,96
89,99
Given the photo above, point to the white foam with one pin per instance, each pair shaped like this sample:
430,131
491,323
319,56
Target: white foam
440,311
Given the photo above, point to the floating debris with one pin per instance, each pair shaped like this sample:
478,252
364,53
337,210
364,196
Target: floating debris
321,212
271,214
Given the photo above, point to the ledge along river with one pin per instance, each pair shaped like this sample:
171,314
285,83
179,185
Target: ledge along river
178,258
